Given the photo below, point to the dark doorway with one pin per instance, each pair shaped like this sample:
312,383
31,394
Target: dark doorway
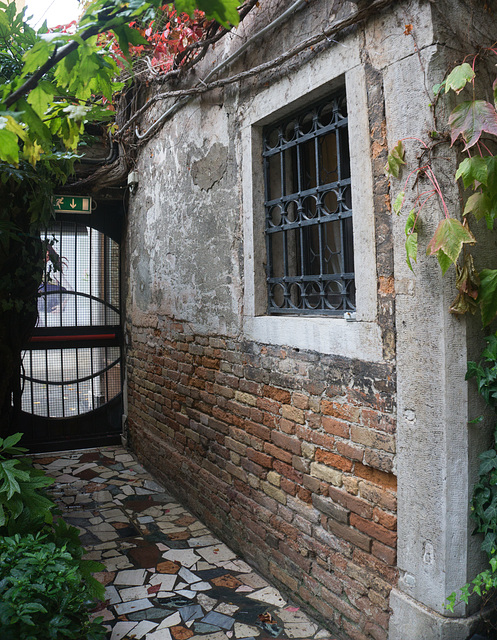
70,392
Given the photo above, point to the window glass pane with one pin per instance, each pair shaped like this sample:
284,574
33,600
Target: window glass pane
276,244
328,158
273,169
310,243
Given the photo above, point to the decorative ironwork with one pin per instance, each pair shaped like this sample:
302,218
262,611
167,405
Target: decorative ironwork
309,244
73,365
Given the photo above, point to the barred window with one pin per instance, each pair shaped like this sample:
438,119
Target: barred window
310,257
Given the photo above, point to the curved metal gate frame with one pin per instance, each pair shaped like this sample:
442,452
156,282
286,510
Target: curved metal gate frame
71,381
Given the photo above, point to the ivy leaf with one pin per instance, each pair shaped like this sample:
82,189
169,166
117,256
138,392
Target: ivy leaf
449,238
470,119
488,461
223,11
395,160
411,239
9,148
467,282
458,78
471,170
41,96
488,295
36,57
399,201
494,87
444,261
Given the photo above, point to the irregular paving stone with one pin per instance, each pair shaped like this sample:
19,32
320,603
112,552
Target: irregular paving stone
154,613
168,566
191,612
172,550
146,556
219,620
135,605
201,627
270,595
227,580
181,633
144,627
133,577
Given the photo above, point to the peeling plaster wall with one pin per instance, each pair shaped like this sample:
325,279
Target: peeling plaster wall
180,227
288,435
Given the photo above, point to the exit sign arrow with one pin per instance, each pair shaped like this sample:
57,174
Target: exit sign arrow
72,204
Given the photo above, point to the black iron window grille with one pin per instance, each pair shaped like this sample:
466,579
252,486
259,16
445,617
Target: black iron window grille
309,244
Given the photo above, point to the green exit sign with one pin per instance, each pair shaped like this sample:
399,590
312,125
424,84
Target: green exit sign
72,204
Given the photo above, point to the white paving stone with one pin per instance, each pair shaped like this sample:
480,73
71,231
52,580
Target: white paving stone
216,554
144,627
188,576
133,593
171,621
269,595
245,631
133,577
187,557
136,605
165,580
163,634
112,595
121,629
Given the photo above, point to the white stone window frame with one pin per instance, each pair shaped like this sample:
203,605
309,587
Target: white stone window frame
359,337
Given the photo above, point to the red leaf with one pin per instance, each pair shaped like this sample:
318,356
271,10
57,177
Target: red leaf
470,119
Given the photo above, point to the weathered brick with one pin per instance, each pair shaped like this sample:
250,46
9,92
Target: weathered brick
374,530
288,471
300,400
245,398
326,578
386,480
286,442
352,503
330,508
376,420
387,520
351,485
283,577
382,497
379,459
373,439
333,460
335,426
260,458
323,472
357,538
274,492
274,478
349,450
281,395
381,551
340,410
276,452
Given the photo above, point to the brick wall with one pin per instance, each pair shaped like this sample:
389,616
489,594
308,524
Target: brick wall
288,456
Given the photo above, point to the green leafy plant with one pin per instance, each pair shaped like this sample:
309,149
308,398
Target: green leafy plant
471,123
23,506
43,592
484,500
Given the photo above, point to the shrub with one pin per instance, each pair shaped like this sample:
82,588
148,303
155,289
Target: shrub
43,592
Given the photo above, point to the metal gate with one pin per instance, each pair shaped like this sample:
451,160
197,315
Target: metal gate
71,377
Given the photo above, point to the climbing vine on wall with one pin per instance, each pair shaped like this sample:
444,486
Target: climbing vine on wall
450,243
472,129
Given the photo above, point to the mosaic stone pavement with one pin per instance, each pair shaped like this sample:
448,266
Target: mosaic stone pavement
166,576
